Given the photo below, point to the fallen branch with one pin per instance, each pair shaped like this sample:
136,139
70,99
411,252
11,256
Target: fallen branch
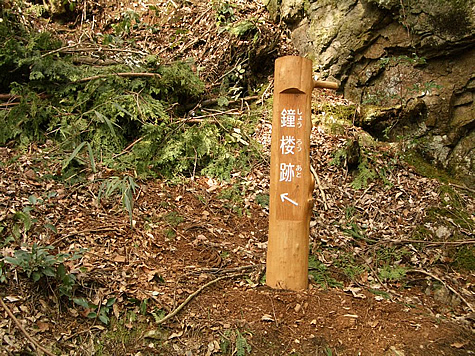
125,75
322,193
8,97
33,342
404,241
62,49
71,49
125,150
212,102
445,285
6,105
94,61
199,119
462,187
194,294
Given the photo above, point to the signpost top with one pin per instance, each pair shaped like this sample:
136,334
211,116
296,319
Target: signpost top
293,74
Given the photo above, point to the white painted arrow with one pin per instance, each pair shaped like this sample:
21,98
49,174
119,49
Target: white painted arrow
284,196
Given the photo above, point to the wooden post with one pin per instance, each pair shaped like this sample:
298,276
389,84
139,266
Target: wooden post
291,181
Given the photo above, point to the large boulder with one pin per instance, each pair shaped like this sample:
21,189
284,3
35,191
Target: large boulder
414,59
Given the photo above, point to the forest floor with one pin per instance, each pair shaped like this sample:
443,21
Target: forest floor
391,266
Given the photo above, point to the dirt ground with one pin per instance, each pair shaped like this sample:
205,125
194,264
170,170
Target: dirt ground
185,236
196,250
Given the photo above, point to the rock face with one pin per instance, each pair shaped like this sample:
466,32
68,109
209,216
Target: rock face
412,60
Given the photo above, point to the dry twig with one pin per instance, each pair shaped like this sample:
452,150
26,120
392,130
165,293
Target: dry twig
194,294
404,241
322,193
445,285
33,342
462,187
125,75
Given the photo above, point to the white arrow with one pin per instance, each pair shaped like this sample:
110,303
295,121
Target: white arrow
284,196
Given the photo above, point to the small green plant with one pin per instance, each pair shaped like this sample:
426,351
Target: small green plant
224,12
74,156
465,258
349,265
401,81
158,314
392,273
320,274
234,343
121,339
100,311
129,19
23,222
233,198
391,255
39,262
3,277
242,347
125,187
242,28
365,174
173,219
262,200
354,230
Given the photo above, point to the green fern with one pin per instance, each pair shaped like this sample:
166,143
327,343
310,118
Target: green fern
365,174
129,123
242,347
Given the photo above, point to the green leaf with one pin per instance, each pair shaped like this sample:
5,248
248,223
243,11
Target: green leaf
91,157
48,271
51,227
143,307
36,276
120,108
223,101
105,119
61,271
73,155
81,302
110,302
12,260
128,203
104,318
16,231
32,199
25,218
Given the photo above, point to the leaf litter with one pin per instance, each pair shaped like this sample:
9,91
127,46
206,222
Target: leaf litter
186,236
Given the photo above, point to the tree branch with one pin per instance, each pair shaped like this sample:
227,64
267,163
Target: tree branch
125,75
191,296
33,342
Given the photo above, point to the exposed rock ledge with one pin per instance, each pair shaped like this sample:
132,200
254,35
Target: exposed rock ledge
413,58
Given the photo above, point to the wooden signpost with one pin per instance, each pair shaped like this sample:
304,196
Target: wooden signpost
291,182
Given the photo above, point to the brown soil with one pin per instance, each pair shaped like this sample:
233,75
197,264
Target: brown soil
188,234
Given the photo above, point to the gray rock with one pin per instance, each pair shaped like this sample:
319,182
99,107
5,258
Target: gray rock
417,59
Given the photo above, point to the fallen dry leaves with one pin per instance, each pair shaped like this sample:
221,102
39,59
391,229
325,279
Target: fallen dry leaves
188,235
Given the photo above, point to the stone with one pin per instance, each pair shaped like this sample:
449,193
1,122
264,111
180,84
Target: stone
443,232
411,61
